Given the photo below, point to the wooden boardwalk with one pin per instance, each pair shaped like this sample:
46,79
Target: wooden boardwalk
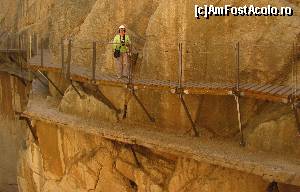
268,92
272,168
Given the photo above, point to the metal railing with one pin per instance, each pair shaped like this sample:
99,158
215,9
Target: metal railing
237,66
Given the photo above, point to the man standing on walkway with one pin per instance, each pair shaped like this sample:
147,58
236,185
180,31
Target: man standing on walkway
121,46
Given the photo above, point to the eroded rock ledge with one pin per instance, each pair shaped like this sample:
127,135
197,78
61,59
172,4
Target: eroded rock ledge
216,153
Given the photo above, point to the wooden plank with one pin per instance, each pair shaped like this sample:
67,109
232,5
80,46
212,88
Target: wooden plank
138,81
195,85
151,83
208,85
204,85
231,85
219,85
256,87
106,77
162,83
114,78
242,85
171,84
216,85
148,82
227,85
282,91
270,89
206,91
276,90
264,88
212,85
189,84
248,86
159,82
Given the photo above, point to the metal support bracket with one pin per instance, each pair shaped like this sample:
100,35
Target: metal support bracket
41,81
137,162
107,102
132,92
237,100
76,90
62,51
152,119
187,112
31,128
52,83
94,90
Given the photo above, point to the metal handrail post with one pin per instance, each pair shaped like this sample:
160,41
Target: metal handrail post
19,53
69,59
36,44
42,52
94,61
130,65
62,55
30,46
7,47
180,92
238,66
236,94
180,73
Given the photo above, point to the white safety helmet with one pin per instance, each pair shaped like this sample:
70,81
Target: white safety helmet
122,27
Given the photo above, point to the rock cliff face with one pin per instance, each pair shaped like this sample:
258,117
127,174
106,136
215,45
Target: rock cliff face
66,160
13,97
208,55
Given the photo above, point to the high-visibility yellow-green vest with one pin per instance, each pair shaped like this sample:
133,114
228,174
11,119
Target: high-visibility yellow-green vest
122,47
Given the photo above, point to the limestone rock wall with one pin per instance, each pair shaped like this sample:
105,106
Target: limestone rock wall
68,160
13,97
59,162
208,55
7,15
